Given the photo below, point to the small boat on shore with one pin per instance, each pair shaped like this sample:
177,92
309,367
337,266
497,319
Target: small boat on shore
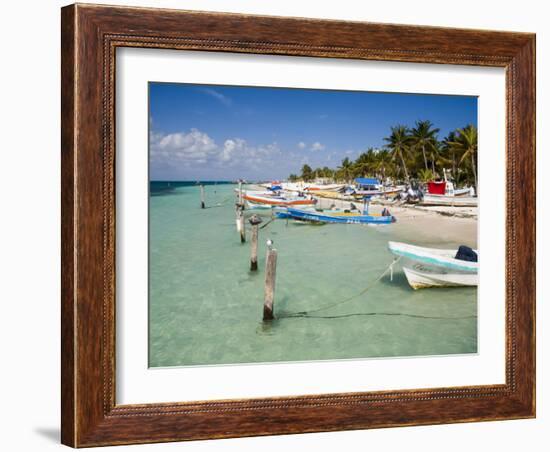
261,199
333,216
370,186
334,195
444,193
325,187
434,267
312,187
452,201
447,188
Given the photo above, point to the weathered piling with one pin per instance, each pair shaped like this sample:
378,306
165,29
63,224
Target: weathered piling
255,221
269,289
202,196
240,202
240,225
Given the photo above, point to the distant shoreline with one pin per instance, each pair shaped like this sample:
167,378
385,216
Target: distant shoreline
192,182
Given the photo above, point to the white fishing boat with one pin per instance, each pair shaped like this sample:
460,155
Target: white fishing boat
444,193
312,187
447,188
370,186
452,201
257,199
434,267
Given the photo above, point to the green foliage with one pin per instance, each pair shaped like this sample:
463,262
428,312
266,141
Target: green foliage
464,143
409,153
307,173
425,175
424,142
399,144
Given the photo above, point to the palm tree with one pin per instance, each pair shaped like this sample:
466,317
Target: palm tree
425,175
465,143
435,156
399,145
346,168
307,173
327,172
365,163
449,153
424,136
383,163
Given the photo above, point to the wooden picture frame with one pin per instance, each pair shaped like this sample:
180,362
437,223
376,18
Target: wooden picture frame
90,36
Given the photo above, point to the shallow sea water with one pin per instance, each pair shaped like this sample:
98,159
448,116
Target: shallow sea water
205,306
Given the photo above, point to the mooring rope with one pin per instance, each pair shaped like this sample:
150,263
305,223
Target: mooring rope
222,203
264,225
345,300
308,314
305,315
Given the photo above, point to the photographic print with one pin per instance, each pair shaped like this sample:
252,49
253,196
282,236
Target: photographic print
283,215
292,225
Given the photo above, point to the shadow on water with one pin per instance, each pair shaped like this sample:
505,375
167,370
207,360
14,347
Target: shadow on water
399,281
249,277
267,328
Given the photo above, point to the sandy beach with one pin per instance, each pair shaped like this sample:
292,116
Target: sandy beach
423,223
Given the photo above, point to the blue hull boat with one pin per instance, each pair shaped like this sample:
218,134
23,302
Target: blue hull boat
334,217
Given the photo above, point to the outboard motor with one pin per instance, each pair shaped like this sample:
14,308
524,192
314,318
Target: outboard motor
465,253
414,194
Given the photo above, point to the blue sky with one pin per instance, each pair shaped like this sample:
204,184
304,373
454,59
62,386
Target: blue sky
212,132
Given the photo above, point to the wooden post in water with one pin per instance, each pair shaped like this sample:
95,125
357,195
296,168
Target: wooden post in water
255,221
240,192
269,289
202,196
240,225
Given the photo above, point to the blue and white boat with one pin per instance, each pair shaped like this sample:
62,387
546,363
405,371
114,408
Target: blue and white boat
332,216
433,267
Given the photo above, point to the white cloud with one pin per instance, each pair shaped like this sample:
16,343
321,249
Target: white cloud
217,95
302,145
317,146
171,148
229,148
195,149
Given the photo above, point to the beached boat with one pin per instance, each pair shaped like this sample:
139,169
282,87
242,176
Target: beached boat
371,187
325,187
254,198
433,267
447,188
444,193
453,201
312,187
334,195
333,216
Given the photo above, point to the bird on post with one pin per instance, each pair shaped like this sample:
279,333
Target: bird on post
254,220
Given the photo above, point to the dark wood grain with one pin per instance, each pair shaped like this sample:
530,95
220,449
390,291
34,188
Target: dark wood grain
90,36
68,298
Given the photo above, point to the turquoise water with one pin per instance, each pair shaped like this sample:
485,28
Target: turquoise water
205,306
